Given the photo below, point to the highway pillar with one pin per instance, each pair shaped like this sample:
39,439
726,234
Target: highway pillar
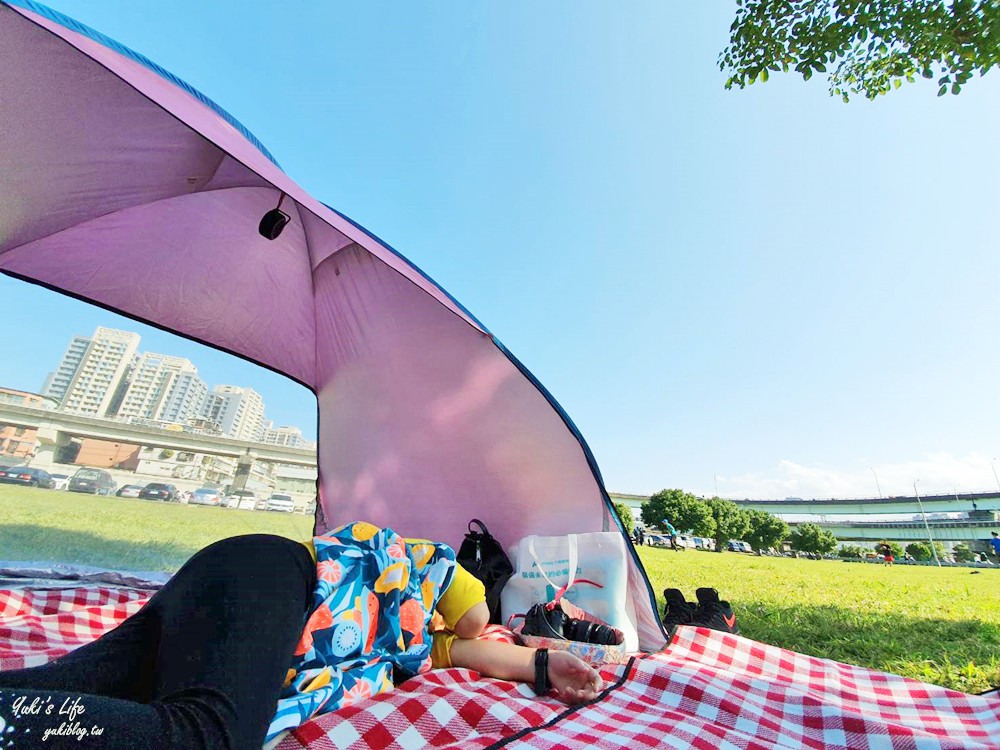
49,439
243,466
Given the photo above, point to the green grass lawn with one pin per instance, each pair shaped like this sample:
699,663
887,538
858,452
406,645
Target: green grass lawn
937,625
940,625
124,533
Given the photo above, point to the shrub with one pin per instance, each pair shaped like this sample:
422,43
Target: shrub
625,514
922,550
851,551
962,553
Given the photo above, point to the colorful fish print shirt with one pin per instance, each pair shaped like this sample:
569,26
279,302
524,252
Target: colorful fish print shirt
374,599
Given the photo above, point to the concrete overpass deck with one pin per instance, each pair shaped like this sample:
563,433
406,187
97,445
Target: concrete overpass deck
54,427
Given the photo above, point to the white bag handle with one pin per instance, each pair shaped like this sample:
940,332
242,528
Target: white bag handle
573,559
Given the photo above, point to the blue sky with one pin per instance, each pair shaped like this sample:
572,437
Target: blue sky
767,292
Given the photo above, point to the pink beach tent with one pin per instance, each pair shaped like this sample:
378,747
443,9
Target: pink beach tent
123,186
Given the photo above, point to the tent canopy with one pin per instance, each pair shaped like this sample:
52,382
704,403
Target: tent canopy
125,187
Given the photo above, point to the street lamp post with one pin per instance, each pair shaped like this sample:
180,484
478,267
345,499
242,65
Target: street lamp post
995,472
877,485
926,525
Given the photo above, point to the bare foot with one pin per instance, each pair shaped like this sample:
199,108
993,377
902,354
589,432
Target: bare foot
573,680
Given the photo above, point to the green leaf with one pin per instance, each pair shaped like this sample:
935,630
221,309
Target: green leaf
807,74
763,75
897,83
942,91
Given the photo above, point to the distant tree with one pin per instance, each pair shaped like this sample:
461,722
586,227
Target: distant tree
808,537
682,509
872,46
625,514
919,550
888,547
731,521
765,530
962,552
852,551
922,550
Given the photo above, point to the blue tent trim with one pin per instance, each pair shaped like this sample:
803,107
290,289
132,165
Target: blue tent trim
74,25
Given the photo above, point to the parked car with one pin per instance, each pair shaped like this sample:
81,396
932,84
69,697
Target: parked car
206,496
280,502
62,481
244,499
27,477
93,481
739,546
158,491
684,540
130,490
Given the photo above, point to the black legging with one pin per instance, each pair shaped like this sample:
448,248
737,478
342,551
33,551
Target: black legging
199,666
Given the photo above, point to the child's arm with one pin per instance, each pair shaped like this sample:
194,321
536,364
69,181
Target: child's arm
572,679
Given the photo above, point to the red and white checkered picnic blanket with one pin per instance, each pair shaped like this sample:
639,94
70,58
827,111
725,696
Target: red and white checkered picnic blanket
708,690
37,625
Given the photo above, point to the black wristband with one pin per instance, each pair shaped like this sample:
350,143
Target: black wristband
542,685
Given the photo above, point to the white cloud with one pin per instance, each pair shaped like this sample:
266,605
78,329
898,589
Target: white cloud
935,473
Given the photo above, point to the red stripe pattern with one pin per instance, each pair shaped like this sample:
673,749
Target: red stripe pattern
708,691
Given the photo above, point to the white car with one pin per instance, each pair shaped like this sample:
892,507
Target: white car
62,481
206,496
242,499
280,502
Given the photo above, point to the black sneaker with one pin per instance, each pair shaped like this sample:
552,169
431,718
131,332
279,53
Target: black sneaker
678,610
713,613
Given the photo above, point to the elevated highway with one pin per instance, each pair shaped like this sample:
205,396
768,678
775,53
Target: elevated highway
935,503
908,531
56,428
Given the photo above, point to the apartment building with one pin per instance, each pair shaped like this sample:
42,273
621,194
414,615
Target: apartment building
288,436
160,387
90,377
238,411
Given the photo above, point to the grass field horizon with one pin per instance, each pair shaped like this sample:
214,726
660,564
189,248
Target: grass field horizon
939,625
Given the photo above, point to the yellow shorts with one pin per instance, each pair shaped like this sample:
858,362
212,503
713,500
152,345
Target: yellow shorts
465,592
462,595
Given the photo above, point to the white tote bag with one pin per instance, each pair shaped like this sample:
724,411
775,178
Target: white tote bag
590,568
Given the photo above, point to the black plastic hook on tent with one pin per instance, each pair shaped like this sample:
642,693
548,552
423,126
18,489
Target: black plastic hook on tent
274,221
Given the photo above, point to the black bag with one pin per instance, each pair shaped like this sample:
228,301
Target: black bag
482,555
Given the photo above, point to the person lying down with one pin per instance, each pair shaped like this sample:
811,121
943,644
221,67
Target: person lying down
257,634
